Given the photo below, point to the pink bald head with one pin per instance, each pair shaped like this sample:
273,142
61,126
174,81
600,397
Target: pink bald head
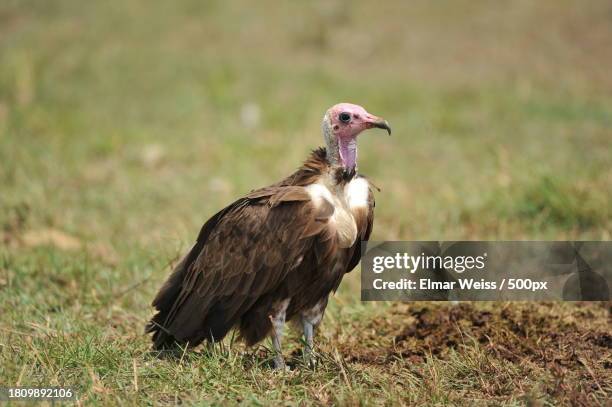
341,126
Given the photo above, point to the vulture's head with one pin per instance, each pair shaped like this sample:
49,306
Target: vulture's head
341,125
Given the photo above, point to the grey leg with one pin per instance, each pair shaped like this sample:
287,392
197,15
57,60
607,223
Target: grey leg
279,361
308,338
277,317
310,319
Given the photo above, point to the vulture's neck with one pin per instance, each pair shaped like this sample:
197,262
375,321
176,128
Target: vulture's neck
339,172
318,165
332,154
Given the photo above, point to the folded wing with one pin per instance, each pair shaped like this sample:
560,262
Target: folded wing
242,253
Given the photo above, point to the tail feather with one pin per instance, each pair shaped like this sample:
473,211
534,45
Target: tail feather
185,318
162,339
163,302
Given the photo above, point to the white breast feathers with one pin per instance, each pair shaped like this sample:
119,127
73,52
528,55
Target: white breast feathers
342,219
357,192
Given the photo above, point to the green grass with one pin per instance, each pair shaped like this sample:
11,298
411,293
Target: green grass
122,131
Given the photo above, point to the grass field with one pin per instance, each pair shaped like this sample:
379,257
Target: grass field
125,125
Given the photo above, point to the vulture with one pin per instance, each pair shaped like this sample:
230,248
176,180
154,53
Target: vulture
276,254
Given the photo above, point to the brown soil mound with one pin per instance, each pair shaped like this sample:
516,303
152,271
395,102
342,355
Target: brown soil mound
570,344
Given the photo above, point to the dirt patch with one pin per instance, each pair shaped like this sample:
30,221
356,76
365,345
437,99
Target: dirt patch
565,347
510,333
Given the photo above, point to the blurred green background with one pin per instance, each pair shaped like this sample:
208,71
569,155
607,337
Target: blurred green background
125,125
129,121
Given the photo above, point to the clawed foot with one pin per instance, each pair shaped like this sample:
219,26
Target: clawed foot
310,360
279,364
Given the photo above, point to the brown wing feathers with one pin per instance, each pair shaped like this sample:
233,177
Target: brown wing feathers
242,253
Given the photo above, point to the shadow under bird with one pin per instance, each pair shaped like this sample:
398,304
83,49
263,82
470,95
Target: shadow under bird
276,254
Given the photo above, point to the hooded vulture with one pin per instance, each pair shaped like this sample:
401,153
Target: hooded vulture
276,254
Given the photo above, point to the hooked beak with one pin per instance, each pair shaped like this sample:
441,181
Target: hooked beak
379,123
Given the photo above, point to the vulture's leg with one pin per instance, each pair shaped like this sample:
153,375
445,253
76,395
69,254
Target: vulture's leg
277,317
310,319
308,338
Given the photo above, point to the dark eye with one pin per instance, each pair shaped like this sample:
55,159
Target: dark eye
345,117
